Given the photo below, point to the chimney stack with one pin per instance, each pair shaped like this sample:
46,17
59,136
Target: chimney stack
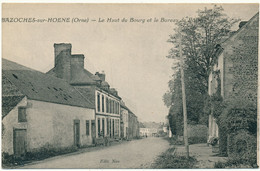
61,47
102,75
242,23
62,54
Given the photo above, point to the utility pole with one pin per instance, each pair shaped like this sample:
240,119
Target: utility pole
185,131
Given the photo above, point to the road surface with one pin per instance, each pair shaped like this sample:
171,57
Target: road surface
131,154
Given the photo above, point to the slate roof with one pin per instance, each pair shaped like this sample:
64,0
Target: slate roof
43,87
9,102
88,92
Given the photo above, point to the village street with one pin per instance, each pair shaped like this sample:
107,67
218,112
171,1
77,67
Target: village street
133,154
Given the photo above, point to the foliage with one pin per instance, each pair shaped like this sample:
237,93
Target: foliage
168,160
200,38
40,154
175,141
197,140
235,163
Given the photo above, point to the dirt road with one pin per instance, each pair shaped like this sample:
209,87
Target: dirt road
132,154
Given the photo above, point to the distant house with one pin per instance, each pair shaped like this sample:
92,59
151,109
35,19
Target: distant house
234,74
148,132
105,100
42,111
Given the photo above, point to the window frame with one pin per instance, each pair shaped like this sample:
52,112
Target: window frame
24,118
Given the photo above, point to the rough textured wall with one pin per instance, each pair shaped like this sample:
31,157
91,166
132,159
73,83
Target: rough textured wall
241,65
10,122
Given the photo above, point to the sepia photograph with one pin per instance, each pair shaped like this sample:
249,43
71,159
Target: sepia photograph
129,85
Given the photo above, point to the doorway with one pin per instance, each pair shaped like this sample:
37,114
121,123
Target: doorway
77,133
19,142
93,131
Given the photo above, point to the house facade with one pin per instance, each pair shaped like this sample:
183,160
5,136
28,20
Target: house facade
105,100
148,132
41,111
124,121
133,125
235,71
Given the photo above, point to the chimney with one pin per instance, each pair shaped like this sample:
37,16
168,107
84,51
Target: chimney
61,47
114,92
77,60
242,23
62,54
102,75
76,65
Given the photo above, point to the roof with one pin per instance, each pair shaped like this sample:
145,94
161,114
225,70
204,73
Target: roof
240,29
43,87
9,65
9,102
88,92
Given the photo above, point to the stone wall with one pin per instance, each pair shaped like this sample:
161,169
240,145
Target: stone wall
241,65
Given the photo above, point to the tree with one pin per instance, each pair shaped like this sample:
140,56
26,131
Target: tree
201,36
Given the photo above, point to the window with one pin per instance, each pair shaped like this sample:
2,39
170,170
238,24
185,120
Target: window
117,108
98,102
87,127
103,127
108,126
98,127
107,105
110,104
103,103
22,114
113,126
116,127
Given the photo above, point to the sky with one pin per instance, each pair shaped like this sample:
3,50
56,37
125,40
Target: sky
132,54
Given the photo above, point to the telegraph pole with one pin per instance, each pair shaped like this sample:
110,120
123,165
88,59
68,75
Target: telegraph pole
185,131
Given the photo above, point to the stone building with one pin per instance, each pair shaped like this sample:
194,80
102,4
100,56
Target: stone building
41,111
105,100
235,71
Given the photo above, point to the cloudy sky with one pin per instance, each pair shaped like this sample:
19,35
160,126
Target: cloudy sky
132,54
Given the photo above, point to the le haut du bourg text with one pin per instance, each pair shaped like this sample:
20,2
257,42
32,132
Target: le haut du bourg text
84,20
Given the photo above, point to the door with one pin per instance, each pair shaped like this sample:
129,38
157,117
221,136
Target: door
76,133
19,143
93,131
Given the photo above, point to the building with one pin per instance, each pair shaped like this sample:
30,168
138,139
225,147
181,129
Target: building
124,121
42,111
148,132
105,100
133,125
234,74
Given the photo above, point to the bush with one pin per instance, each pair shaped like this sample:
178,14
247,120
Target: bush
167,160
235,163
197,140
39,154
174,141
